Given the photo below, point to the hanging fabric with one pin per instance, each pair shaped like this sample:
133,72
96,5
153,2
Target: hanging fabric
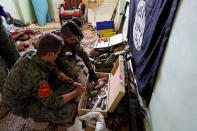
150,23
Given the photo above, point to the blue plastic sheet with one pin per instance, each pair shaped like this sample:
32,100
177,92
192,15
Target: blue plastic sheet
42,11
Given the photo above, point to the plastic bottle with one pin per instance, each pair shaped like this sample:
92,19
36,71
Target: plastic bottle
9,24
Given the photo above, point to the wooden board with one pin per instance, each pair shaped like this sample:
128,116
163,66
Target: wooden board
117,85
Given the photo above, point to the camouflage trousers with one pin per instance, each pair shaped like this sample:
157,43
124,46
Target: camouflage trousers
41,113
61,114
3,72
8,49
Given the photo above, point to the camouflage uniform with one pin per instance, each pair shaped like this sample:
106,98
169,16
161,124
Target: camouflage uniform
8,52
68,64
28,93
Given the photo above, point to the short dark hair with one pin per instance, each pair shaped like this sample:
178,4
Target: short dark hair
77,20
70,28
49,42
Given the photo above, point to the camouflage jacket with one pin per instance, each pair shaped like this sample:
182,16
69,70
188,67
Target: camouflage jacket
73,48
28,84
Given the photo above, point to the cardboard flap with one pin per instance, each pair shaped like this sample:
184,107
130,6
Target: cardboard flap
116,84
117,39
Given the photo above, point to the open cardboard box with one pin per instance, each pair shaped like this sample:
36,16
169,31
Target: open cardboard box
116,89
102,44
107,42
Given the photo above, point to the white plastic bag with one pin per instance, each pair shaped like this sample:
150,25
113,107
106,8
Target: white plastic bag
100,123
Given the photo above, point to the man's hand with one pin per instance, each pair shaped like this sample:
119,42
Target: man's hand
80,89
76,84
92,76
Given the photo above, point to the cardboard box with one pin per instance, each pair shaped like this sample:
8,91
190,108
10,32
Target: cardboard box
107,42
102,44
117,39
116,89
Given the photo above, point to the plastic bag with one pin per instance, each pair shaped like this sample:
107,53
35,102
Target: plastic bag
100,122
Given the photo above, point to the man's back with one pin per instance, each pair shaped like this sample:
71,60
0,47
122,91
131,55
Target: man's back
19,87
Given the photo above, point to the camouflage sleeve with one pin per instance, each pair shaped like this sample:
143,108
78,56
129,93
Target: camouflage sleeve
84,56
44,92
46,96
55,70
61,61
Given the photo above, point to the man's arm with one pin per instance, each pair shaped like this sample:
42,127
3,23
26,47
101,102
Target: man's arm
66,79
80,88
79,49
47,97
86,60
78,91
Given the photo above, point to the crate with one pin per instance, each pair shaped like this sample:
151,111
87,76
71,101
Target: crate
104,25
116,89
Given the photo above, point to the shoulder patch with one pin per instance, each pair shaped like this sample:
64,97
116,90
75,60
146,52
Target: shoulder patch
44,90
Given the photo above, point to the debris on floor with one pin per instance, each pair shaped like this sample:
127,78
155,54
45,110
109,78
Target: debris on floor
26,38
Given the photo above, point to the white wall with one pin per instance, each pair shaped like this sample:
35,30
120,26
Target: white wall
27,11
101,13
10,7
173,106
53,7
20,9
